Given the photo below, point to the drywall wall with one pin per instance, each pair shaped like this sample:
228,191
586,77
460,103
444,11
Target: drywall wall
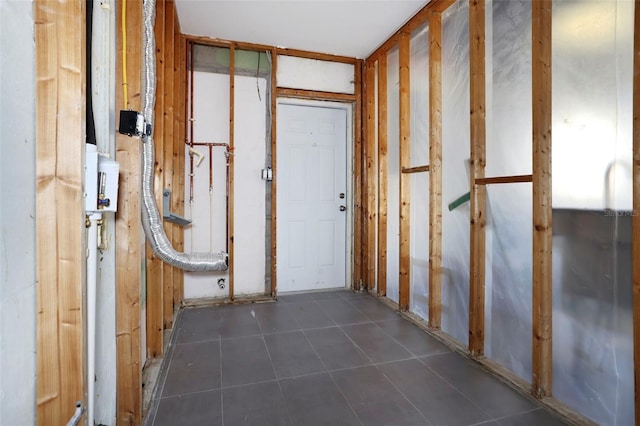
17,215
208,209
314,74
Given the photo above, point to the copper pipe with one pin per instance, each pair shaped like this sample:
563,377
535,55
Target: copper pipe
210,167
190,62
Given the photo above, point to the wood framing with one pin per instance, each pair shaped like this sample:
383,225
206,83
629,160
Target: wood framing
169,143
274,187
636,210
424,15
382,175
542,212
371,177
504,179
417,169
357,179
315,55
231,163
177,192
129,250
283,92
155,267
404,279
60,250
435,170
478,161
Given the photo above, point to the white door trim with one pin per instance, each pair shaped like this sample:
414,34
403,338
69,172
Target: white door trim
348,107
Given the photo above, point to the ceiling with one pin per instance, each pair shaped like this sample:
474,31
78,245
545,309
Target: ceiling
340,27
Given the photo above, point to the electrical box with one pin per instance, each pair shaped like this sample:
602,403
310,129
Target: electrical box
101,182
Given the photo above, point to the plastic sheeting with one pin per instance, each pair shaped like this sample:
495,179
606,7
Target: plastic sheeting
508,293
419,153
455,171
393,173
592,263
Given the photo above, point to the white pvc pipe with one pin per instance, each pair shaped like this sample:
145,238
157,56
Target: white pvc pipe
92,279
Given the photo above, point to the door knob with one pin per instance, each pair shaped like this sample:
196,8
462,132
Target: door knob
343,208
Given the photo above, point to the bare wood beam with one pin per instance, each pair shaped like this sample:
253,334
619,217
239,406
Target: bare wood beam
636,210
478,161
274,163
417,169
129,249
423,15
404,278
504,179
284,92
315,55
177,194
435,170
60,250
168,117
155,289
371,173
357,178
542,212
382,175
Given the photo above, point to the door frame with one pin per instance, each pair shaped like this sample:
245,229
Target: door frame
348,107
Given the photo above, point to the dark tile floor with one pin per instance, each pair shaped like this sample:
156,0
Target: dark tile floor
330,358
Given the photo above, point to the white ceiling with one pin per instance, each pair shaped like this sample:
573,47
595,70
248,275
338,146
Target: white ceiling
340,27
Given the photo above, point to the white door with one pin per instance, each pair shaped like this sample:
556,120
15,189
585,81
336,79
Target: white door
311,197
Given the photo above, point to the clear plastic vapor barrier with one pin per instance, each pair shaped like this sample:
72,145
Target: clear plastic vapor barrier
592,208
508,293
419,150
455,170
393,172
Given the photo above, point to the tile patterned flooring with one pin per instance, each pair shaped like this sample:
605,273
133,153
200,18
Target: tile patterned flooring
327,358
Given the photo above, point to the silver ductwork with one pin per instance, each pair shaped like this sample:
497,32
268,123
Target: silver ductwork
151,218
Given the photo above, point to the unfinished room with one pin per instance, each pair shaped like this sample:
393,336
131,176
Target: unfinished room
319,212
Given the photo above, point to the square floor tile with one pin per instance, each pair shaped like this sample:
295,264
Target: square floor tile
296,297
261,404
438,401
342,312
374,310
292,355
316,400
494,397
203,408
239,321
276,318
245,360
374,399
194,367
335,349
309,315
411,337
377,344
198,324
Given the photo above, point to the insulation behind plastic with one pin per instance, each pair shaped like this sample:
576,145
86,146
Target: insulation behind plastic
455,172
508,293
592,154
393,173
419,153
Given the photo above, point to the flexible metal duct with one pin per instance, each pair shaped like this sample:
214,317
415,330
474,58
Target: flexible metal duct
151,219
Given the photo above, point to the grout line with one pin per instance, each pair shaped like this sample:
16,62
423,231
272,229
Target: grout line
332,378
404,396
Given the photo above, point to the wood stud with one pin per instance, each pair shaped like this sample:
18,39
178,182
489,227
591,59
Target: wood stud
129,250
478,161
382,175
274,186
435,170
371,177
357,178
60,222
231,162
404,287
542,212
